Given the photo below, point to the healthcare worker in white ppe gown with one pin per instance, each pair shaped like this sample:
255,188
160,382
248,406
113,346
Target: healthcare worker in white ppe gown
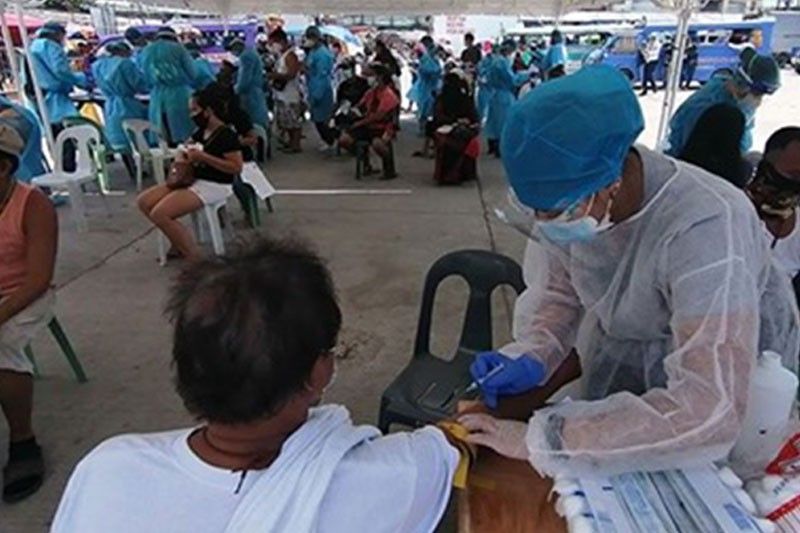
655,271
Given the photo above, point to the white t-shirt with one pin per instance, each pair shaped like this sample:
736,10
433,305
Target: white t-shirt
291,90
155,482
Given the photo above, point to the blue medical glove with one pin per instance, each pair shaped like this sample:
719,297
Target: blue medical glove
518,375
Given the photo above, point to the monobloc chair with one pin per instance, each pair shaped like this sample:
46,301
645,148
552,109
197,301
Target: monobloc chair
206,216
85,138
424,392
66,347
137,130
264,143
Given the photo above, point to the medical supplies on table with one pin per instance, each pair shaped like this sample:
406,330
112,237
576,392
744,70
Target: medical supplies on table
674,501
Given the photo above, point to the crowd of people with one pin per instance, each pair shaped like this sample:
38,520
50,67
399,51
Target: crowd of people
655,277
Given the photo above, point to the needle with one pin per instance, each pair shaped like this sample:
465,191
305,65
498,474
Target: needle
475,385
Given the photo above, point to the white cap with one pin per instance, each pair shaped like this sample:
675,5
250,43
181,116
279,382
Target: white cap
10,140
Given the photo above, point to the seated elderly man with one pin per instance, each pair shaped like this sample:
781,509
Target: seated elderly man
377,127
252,349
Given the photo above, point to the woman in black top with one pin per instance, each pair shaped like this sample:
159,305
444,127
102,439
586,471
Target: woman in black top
215,163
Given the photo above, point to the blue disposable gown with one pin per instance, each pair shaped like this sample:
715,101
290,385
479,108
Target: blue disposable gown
169,71
120,81
484,92
429,78
685,118
503,84
27,125
205,73
555,55
319,73
250,88
55,78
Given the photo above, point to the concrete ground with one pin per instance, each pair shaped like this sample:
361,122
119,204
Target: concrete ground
111,291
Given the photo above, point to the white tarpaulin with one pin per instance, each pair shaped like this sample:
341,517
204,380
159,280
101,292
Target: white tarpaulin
386,7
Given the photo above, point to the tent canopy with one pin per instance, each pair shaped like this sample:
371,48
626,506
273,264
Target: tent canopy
387,7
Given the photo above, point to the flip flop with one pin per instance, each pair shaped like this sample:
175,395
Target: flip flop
22,478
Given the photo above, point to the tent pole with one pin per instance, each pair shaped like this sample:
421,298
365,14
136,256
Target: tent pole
10,50
48,132
674,74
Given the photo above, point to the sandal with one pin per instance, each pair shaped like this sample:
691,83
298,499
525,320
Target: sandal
22,478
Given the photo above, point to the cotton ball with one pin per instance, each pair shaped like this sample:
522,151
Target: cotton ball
580,524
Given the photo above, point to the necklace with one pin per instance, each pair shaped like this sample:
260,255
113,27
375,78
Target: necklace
250,459
7,195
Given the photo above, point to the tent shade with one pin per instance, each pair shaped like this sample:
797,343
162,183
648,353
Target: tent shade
386,7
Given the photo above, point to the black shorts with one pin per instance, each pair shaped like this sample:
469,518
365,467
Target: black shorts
364,134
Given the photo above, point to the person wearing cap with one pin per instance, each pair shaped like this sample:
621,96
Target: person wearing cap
28,244
56,80
169,71
504,83
249,85
25,122
756,76
206,74
319,63
652,271
120,80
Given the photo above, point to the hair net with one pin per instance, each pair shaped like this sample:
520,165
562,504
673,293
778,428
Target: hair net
556,37
133,34
117,47
313,32
668,311
569,138
760,73
54,27
10,140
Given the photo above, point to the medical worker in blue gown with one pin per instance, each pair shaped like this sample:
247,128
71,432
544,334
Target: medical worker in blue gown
556,55
756,76
503,83
57,80
249,84
206,73
429,80
120,81
657,275
169,71
24,121
319,65
484,92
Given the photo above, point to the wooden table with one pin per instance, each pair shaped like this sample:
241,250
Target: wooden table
506,496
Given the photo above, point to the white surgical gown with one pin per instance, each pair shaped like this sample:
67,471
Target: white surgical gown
665,310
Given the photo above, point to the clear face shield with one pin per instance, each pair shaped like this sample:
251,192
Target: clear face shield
561,226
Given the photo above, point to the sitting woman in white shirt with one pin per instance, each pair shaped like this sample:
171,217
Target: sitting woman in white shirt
252,349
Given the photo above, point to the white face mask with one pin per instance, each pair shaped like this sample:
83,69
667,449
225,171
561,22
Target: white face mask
373,81
750,102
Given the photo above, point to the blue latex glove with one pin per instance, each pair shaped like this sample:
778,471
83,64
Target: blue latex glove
518,375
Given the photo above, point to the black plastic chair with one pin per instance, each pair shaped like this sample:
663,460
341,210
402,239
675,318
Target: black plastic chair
424,392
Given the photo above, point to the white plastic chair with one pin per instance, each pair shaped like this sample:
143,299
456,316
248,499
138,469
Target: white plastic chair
263,136
211,214
84,137
136,130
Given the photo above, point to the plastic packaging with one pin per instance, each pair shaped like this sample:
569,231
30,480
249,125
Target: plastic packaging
773,390
778,499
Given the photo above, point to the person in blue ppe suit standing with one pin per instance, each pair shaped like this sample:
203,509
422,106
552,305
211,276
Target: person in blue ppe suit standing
56,80
429,80
169,71
484,92
249,85
504,84
137,41
656,275
120,81
206,74
556,55
319,64
756,76
26,124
